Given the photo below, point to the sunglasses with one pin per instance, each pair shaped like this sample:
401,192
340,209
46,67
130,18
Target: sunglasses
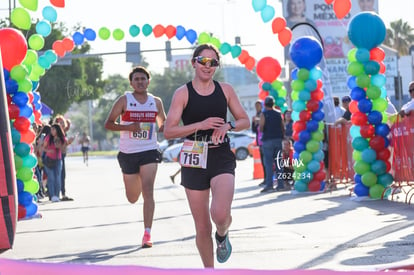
207,60
411,90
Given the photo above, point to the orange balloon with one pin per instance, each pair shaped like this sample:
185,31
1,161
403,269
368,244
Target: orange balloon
268,69
382,67
278,24
329,1
342,8
170,31
68,44
243,57
377,54
158,30
263,94
58,3
59,48
27,136
285,36
250,63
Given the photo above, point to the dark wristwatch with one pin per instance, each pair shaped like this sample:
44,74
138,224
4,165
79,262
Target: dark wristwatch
232,125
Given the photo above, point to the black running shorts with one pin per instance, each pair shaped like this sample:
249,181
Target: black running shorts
130,163
220,160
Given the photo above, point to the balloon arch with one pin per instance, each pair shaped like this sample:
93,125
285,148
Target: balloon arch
23,69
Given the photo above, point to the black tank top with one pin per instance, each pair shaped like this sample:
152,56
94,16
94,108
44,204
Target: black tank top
201,107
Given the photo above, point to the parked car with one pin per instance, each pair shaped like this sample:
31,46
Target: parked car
239,142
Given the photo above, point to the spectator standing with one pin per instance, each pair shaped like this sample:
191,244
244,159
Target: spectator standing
140,113
84,142
288,121
338,109
346,117
273,128
408,107
256,129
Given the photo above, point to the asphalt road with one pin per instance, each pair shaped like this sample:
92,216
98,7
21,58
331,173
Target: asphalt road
274,231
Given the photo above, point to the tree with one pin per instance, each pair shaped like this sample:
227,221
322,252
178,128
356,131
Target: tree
399,37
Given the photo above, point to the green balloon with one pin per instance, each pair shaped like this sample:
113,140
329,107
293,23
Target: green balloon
312,146
369,179
317,135
356,155
303,74
376,191
305,156
295,95
355,68
31,57
298,85
361,167
118,34
216,42
24,173
134,30
104,33
146,29
360,143
373,92
21,18
351,54
282,92
18,162
25,85
31,186
36,42
203,38
18,72
379,104
29,4
38,70
363,80
277,85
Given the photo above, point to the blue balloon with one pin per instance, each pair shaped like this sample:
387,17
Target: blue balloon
318,155
304,136
299,146
310,85
20,99
26,111
375,117
43,28
358,179
318,115
191,36
49,13
11,86
358,93
315,73
266,86
258,5
20,185
371,67
312,126
369,155
314,166
267,13
294,73
78,38
31,209
360,36
180,32
304,95
382,130
365,105
361,190
306,52
351,82
25,198
362,55
89,34
6,74
355,131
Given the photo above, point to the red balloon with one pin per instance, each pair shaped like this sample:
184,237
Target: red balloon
359,118
384,154
299,126
28,136
342,8
312,105
21,124
268,69
58,3
243,57
21,212
377,143
320,175
295,135
314,186
305,115
285,36
353,106
317,94
170,31
367,131
13,47
14,111
158,30
377,54
387,165
250,63
68,44
319,84
278,24
263,94
59,48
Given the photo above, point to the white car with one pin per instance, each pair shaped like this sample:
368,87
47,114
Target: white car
239,142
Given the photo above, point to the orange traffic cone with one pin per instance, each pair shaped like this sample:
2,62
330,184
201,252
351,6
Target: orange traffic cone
257,164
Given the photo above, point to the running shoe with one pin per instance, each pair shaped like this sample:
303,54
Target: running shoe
223,251
146,240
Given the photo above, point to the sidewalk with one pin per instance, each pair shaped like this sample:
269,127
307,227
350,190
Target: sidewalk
273,231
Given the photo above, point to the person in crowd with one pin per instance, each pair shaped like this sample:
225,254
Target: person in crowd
201,105
53,146
65,124
366,5
84,142
408,107
273,128
42,132
338,109
296,10
258,135
346,117
140,112
288,121
287,157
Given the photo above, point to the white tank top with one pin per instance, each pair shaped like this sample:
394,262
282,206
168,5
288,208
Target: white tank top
146,138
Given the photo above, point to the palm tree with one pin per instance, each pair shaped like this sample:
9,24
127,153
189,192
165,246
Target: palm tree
400,37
